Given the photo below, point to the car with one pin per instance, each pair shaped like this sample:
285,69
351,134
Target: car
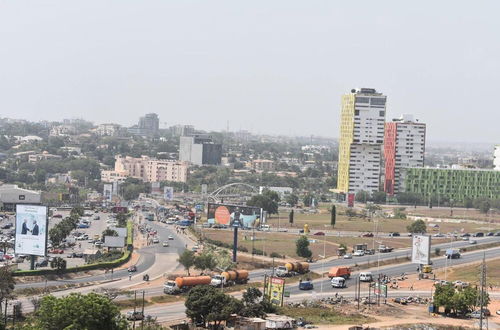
348,256
43,263
56,251
98,243
171,238
132,269
306,285
57,215
438,235
367,235
472,241
319,233
82,226
460,284
359,253
165,244
401,301
75,255
497,233
7,226
282,230
135,316
490,234
477,314
442,282
478,234
465,235
195,248
156,240
395,234
97,217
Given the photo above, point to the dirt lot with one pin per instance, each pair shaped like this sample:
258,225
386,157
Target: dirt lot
284,243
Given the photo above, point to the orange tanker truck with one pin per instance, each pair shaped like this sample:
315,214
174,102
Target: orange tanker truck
292,268
182,284
229,278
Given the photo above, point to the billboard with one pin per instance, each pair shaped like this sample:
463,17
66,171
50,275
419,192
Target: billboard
107,192
350,200
421,249
168,193
114,241
223,214
31,230
275,288
155,188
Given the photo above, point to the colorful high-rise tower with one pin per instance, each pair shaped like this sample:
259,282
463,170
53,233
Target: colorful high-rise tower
361,139
404,146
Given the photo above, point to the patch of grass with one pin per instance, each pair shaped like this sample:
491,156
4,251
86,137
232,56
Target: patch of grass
242,287
469,273
325,315
165,299
426,326
130,303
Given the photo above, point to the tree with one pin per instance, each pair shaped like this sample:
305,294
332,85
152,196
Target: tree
333,216
186,259
417,227
109,232
205,261
268,201
254,308
302,245
379,197
443,296
290,217
292,199
362,196
350,213
77,311
59,264
468,203
308,200
6,285
460,301
484,207
205,304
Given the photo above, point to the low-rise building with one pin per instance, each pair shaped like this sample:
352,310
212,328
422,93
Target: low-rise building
11,195
262,165
43,156
457,184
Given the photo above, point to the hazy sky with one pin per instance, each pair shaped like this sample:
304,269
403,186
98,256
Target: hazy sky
266,66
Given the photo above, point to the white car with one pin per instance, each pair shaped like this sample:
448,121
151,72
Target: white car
359,253
156,240
171,237
165,244
348,256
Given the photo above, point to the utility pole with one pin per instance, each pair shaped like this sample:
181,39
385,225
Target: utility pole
135,303
483,285
142,321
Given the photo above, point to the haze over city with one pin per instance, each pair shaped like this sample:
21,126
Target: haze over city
269,67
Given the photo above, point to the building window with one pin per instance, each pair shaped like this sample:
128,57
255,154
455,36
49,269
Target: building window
22,197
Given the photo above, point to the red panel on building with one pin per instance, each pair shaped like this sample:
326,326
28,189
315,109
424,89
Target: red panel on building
390,156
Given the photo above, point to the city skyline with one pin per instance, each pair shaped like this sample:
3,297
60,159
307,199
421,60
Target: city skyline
206,65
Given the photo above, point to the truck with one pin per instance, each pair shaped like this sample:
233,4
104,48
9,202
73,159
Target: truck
183,284
452,254
230,277
342,271
292,268
385,249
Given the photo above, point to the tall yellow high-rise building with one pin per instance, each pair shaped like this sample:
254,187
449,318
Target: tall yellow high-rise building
362,122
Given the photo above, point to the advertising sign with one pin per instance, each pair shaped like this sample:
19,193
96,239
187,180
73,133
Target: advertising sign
107,192
421,249
155,188
224,214
275,288
31,230
381,289
168,193
350,200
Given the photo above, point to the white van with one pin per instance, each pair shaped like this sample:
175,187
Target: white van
366,277
338,282
265,228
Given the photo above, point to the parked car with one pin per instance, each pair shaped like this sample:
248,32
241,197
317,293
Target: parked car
477,314
348,256
490,234
56,251
395,234
319,233
367,235
478,234
359,253
43,263
57,216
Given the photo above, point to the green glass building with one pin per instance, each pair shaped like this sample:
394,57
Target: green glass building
456,184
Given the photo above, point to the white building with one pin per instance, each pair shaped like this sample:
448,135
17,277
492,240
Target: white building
361,140
496,157
404,146
107,129
11,195
147,169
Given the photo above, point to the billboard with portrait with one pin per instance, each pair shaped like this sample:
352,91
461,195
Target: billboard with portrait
168,193
224,214
31,230
421,249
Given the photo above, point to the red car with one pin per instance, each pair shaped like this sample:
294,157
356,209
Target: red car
367,235
320,233
8,256
56,251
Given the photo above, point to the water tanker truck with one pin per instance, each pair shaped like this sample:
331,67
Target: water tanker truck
183,284
230,277
292,268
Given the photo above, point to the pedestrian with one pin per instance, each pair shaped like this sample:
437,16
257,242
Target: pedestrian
411,287
130,276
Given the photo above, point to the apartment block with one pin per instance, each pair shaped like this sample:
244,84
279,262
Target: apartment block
262,165
404,146
200,149
147,169
361,139
456,184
